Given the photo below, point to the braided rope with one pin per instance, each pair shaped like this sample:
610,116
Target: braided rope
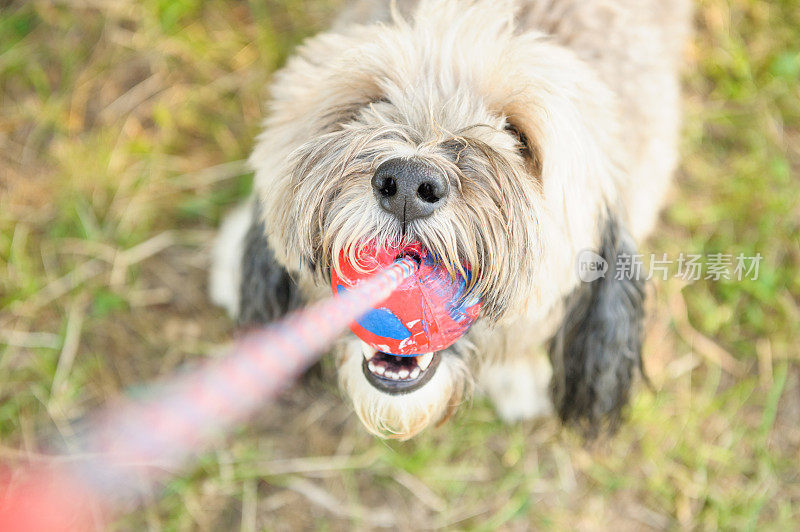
122,451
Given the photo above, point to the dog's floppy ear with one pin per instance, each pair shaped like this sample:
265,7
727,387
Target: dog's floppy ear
267,291
598,347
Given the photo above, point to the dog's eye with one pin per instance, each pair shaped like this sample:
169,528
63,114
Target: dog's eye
524,147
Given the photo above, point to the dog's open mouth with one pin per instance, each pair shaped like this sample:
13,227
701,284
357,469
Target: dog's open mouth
395,374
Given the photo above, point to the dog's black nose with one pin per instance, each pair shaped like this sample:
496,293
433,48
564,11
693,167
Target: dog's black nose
409,188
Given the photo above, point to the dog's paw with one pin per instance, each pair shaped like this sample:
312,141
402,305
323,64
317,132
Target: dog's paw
519,389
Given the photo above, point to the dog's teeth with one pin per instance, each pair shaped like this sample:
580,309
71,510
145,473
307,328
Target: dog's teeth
372,367
414,373
403,373
423,361
368,354
380,370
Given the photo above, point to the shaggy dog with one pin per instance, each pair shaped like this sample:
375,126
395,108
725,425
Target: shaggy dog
507,136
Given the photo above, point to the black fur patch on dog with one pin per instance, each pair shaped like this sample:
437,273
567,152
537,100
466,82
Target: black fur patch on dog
267,290
598,347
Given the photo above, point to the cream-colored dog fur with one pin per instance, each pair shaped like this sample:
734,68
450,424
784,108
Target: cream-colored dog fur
548,117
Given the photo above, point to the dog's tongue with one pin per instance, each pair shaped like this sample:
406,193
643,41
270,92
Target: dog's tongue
427,313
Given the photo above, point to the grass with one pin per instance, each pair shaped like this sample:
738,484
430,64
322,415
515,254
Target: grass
122,134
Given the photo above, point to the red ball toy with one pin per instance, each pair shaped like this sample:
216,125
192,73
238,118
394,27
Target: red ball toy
428,312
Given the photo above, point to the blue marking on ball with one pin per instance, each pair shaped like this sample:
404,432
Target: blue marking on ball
381,322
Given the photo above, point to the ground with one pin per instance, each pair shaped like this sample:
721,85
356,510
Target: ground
123,129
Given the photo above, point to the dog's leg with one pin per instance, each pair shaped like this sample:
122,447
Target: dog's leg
519,388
